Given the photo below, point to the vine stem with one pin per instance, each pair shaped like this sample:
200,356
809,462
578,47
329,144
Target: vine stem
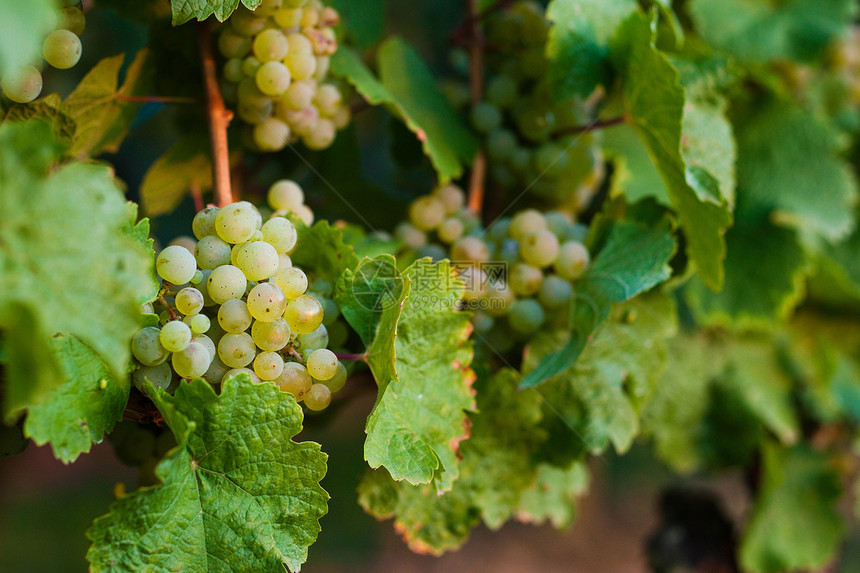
593,126
476,89
219,119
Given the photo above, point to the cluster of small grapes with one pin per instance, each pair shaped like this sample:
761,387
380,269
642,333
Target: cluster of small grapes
61,49
518,273
277,59
525,131
237,304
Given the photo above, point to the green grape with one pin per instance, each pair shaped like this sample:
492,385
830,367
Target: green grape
535,123
295,380
268,7
540,248
71,18
555,292
551,160
232,70
433,251
293,281
233,316
502,91
336,382
226,282
295,3
146,347
250,65
207,342
310,17
271,336
342,117
175,336
557,222
412,237
526,316
482,322
499,298
314,340
211,252
501,143
299,95
304,121
486,117
198,323
525,279
499,230
203,223
288,18
159,375
572,261
268,365
577,233
267,302
450,230
328,99
62,49
322,136
284,262
526,222
280,233
304,213
474,283
201,279
285,195
245,23
301,66
258,260
470,250
233,45
216,371
234,252
426,213
520,159
452,197
533,63
176,265
192,362
236,350
322,287
189,301
236,222
273,78
508,252
318,397
251,374
304,314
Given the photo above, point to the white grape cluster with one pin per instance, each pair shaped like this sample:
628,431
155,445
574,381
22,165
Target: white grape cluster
61,49
519,274
238,304
277,58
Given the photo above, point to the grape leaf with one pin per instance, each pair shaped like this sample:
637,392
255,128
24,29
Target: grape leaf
98,106
185,10
88,402
756,30
765,270
49,108
635,175
844,255
23,27
419,417
789,162
375,288
170,178
552,494
237,494
654,102
794,523
633,260
65,251
408,88
578,44
364,21
321,248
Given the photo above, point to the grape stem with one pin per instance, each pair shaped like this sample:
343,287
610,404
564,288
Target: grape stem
351,357
160,298
476,88
589,127
219,119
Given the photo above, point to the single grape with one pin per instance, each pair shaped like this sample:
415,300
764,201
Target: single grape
318,397
412,236
207,342
192,362
226,282
232,70
336,382
526,316
286,195
62,49
268,7
540,248
322,136
71,18
499,298
304,314
507,252
342,117
203,223
482,322
245,23
295,379
211,252
175,336
314,340
198,323
235,371
267,302
427,213
273,78
555,292
233,316
159,375
216,371
299,95
146,347
237,222
433,251
525,279
474,283
310,17
572,261
486,117
184,241
501,144
331,311
304,121
258,260
470,250
502,91
268,365
233,45
189,301
305,215
450,230
236,350
293,281
301,66
288,17
271,336
280,233
535,122
452,197
176,265
328,99
526,222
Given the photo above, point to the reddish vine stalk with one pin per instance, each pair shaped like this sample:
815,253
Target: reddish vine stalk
476,88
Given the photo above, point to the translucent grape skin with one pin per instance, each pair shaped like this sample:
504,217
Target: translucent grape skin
225,283
318,397
271,336
293,281
234,317
273,78
251,374
62,49
540,248
285,195
526,316
322,364
427,213
525,279
198,323
268,365
175,336
295,379
189,301
236,350
203,223
159,375
270,45
304,314
258,260
192,362
267,302
146,347
336,382
572,261
236,222
22,85
176,265
555,292
280,233
526,222
211,252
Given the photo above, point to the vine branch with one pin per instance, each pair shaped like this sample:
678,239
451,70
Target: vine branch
593,126
219,119
476,88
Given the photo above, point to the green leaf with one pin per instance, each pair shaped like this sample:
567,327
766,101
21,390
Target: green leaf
321,248
170,178
794,523
788,162
49,108
23,27
596,401
420,413
364,21
411,92
185,10
765,270
756,30
370,294
654,102
552,494
88,402
578,45
633,259
65,251
635,175
101,114
237,493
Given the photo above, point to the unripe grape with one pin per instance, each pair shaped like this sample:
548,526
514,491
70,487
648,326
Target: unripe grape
318,397
427,213
304,314
233,45
258,260
216,371
486,117
526,316
314,340
159,375
226,282
146,347
237,222
246,23
471,250
301,66
23,84
234,317
192,362
288,18
299,95
412,237
336,382
321,136
189,301
450,230
207,343
251,374
271,336
273,78
499,298
540,248
526,222
198,323
176,265
572,261
236,350
452,197
525,279
211,252
502,90
295,379
62,49
280,233
305,215
286,195
555,291
71,18
203,223
175,336
268,365
293,281
267,302
322,364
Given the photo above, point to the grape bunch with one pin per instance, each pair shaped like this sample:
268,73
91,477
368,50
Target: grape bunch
526,134
519,274
61,49
277,58
237,304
